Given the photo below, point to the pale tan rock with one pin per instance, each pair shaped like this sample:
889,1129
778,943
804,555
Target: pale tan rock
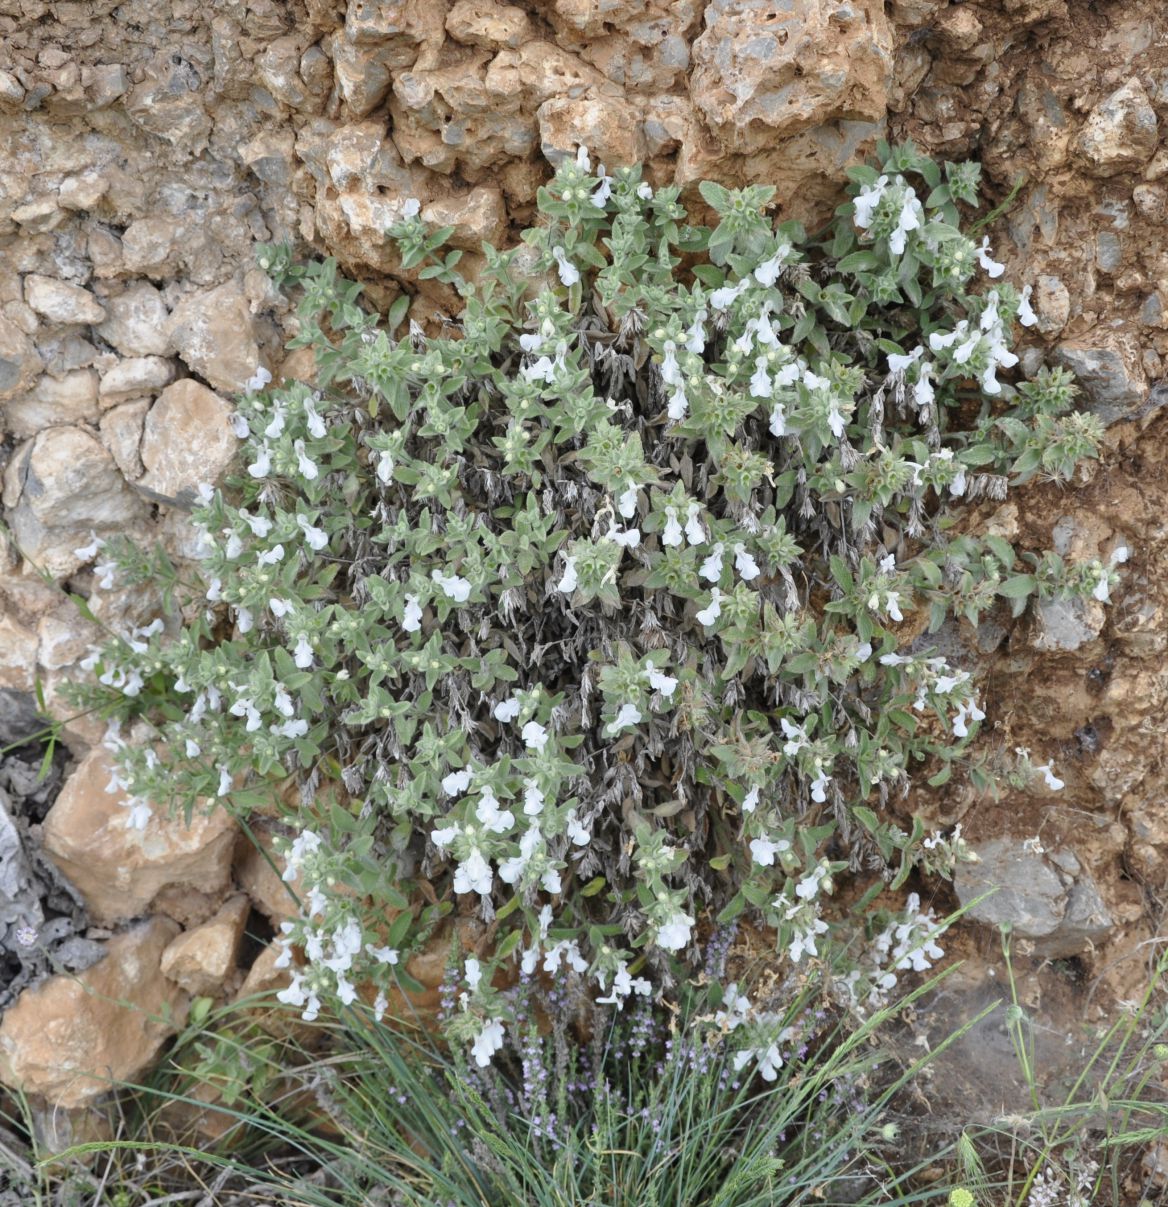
68,399
169,103
119,869
64,636
187,438
70,1039
82,192
137,322
39,217
608,126
201,960
153,246
212,331
1121,133
135,377
487,24
762,74
17,655
262,882
478,217
61,302
61,486
19,361
121,432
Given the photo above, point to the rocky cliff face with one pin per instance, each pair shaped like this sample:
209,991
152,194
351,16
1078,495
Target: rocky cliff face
145,150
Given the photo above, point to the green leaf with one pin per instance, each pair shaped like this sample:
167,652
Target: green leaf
1019,586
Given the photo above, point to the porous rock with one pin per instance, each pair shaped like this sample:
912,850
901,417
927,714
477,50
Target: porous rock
201,960
71,1038
1120,133
119,869
212,331
187,439
61,302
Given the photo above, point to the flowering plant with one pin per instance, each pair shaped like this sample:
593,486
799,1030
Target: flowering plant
610,610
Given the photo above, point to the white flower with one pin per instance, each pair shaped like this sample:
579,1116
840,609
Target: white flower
628,715
140,813
778,424
968,710
444,837
569,273
603,190
1052,781
750,800
660,682
88,552
909,220
808,887
628,538
489,1041
694,532
582,160
675,933
473,972
281,607
506,710
411,208
302,654
305,463
678,405
283,701
899,364
761,385
192,749
745,564
275,426
580,835
1102,591
623,986
672,534
1026,316
411,614
767,273
721,298
262,465
533,799
627,503
291,729
763,850
257,380
384,467
225,782
819,788
490,816
316,538
707,616
240,426
569,581
453,586
865,202
534,736
269,557
992,267
456,782
316,427
473,875
892,603
260,525
711,568
645,191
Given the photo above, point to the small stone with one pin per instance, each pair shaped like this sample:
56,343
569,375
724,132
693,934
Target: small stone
82,192
119,869
60,486
38,217
19,361
68,399
608,126
187,439
134,377
478,217
212,331
18,655
11,90
1052,304
153,246
121,433
487,24
1111,390
60,302
137,322
1121,132
201,960
72,1038
1029,894
1066,624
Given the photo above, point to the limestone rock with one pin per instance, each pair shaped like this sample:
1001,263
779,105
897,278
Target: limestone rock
135,377
70,1038
187,439
1110,389
169,104
763,73
68,399
262,882
59,486
1066,624
608,126
1121,132
19,362
137,322
60,302
18,658
212,331
488,24
201,960
478,217
121,432
119,869
153,246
